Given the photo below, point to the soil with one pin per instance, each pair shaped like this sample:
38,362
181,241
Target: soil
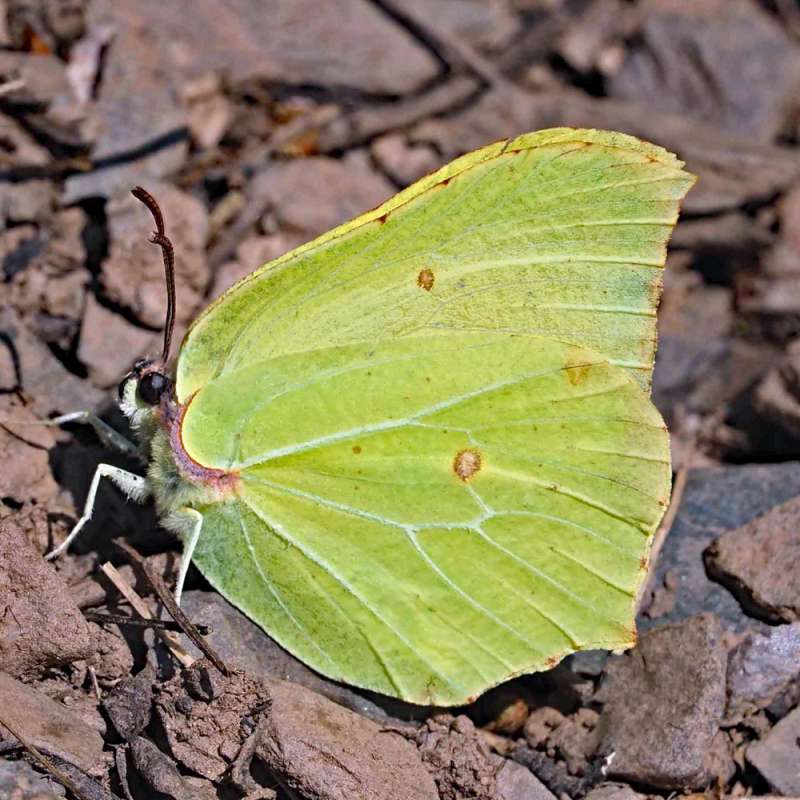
259,125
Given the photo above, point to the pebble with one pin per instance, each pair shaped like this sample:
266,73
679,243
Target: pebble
664,701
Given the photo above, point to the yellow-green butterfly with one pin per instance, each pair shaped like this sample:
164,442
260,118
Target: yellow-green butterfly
420,451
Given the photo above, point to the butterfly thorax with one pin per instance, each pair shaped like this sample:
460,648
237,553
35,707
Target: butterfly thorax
175,478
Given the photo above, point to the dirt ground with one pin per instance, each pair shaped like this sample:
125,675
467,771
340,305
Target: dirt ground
259,124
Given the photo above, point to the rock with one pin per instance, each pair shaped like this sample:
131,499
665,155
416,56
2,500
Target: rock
50,387
241,643
46,98
541,723
49,725
142,121
205,735
458,758
553,774
53,25
789,213
159,771
280,41
313,195
613,791
777,397
109,344
27,447
664,701
210,111
760,563
19,781
322,751
128,705
685,58
487,26
717,499
140,131
515,782
26,201
760,667
593,40
112,660
402,161
48,278
19,147
133,273
40,626
777,756
575,740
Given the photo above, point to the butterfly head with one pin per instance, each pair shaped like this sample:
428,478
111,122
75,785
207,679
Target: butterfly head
144,389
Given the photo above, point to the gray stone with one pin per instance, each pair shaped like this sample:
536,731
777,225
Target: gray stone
160,772
143,124
515,782
613,791
40,625
777,756
664,701
326,752
760,563
109,344
49,725
687,59
51,387
717,499
129,703
19,781
760,667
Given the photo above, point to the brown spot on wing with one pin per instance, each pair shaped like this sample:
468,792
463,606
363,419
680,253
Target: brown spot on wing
576,373
426,279
467,463
356,449
577,366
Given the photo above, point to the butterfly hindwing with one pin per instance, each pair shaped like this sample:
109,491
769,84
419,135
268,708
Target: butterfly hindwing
429,516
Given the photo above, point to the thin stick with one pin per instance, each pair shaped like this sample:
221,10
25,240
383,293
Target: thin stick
46,764
128,592
103,618
160,238
173,608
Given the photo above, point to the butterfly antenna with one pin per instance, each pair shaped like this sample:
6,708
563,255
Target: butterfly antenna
160,238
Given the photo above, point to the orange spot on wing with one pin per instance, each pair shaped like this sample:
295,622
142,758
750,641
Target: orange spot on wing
576,367
467,463
426,279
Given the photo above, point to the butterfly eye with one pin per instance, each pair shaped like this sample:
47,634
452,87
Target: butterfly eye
151,387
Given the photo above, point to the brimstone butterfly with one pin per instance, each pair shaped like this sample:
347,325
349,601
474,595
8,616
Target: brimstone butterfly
420,451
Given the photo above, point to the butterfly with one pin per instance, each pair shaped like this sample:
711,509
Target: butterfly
420,450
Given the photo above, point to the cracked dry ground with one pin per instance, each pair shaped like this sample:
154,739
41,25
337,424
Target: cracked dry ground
259,124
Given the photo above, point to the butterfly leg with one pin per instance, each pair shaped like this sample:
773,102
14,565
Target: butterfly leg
194,525
134,486
107,435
